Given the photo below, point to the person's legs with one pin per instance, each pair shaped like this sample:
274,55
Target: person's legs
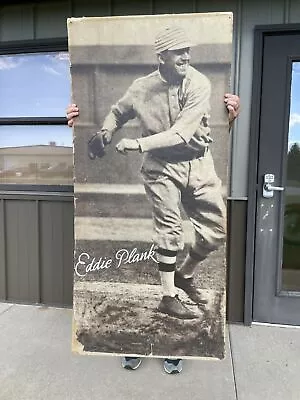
204,205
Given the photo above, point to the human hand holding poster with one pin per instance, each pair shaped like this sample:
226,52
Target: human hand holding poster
150,213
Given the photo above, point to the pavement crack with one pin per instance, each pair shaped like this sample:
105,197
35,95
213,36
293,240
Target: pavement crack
7,309
232,364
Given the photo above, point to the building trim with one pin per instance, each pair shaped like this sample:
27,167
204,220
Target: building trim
33,46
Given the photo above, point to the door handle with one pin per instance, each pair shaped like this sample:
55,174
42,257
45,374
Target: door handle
268,188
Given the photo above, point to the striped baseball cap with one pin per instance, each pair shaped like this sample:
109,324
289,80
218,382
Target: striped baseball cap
171,38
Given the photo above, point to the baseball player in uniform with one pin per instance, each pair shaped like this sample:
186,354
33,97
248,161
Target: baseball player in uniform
173,106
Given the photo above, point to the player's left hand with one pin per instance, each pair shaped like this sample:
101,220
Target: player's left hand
232,103
125,145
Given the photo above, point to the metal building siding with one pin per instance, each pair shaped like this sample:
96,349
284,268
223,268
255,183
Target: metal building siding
94,8
16,22
131,7
292,11
236,255
36,250
56,251
51,19
22,274
3,264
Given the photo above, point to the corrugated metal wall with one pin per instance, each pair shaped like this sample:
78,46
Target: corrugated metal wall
36,248
36,242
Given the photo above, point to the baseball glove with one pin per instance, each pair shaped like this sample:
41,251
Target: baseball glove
96,146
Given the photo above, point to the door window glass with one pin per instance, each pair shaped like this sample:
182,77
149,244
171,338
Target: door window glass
291,236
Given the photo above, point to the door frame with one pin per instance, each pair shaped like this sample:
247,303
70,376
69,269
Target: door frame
260,32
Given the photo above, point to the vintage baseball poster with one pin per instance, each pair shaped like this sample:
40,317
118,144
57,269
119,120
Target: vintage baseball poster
151,151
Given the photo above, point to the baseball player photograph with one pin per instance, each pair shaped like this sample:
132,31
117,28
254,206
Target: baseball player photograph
160,288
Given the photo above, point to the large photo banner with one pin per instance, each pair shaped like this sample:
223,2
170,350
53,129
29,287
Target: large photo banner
151,150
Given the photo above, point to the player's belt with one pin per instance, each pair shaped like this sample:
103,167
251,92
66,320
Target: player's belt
182,154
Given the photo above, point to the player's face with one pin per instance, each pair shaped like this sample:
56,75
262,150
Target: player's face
176,62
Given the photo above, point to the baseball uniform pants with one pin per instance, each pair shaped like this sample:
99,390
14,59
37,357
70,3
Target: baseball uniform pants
194,185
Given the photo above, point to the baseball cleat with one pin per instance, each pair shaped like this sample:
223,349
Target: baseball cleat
188,286
173,307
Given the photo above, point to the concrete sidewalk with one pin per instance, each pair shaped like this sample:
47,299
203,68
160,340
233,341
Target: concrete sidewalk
36,363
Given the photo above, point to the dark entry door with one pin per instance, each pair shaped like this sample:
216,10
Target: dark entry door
277,242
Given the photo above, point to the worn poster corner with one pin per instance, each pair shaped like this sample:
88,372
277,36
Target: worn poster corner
77,347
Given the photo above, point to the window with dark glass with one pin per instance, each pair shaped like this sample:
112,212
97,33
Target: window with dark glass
35,142
291,236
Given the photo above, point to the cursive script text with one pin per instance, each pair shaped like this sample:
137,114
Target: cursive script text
86,263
